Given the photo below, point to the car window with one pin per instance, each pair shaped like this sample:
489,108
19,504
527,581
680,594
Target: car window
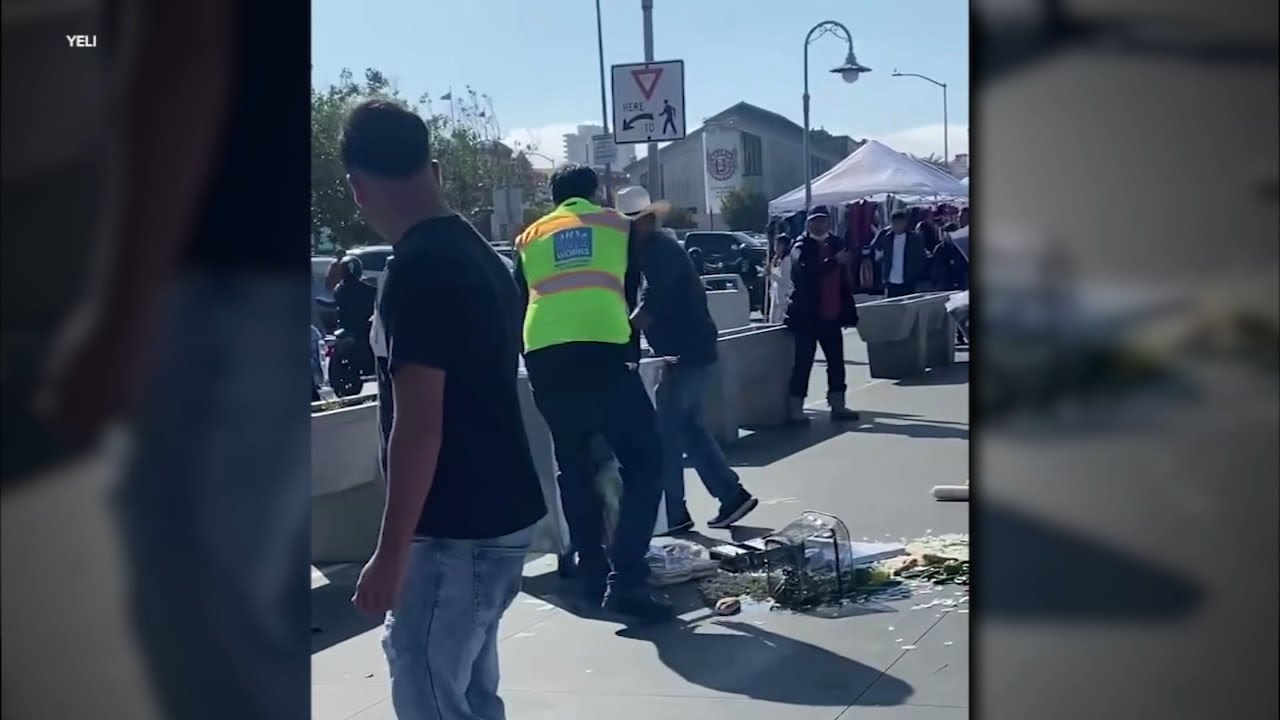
373,260
711,243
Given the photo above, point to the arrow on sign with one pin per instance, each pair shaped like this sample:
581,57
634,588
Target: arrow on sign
628,124
652,74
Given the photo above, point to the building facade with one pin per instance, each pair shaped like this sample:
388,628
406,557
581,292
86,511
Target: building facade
744,147
578,148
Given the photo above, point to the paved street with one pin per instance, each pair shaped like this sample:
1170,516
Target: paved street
757,665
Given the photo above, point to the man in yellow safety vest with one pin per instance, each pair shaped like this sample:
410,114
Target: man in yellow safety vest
574,266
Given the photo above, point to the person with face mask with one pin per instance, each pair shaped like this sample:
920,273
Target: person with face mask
821,305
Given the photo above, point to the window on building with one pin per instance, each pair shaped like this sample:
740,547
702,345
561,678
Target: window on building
752,155
817,166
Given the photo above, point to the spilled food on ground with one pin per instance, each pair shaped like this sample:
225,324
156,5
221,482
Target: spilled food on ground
812,566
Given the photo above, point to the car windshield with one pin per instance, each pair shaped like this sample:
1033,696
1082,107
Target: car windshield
372,259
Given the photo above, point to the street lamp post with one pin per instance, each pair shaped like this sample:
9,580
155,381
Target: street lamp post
848,71
946,130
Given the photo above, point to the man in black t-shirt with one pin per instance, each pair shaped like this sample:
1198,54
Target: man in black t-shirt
462,492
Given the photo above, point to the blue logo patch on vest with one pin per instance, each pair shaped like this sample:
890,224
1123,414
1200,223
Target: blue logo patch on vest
572,244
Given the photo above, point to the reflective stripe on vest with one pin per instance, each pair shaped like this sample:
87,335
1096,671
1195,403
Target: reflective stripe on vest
574,261
577,281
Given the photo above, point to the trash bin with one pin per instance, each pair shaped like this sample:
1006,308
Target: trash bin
939,329
895,337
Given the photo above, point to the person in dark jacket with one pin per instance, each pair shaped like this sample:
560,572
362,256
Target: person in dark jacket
901,256
821,305
354,299
672,312
949,267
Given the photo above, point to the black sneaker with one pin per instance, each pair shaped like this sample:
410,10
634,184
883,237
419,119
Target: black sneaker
639,604
679,528
733,512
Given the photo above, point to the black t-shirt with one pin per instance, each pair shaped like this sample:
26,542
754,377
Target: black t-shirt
448,302
255,214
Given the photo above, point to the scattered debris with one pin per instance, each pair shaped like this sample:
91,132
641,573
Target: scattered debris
929,562
728,606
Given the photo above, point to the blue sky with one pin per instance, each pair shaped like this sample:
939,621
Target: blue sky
537,59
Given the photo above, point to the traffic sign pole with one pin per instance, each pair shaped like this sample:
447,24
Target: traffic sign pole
655,173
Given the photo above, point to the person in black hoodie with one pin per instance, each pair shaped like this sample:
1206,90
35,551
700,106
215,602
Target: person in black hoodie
821,305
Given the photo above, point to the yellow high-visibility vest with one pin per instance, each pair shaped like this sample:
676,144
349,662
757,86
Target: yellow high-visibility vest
575,262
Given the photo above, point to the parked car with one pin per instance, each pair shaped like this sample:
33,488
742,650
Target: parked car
321,317
373,258
720,251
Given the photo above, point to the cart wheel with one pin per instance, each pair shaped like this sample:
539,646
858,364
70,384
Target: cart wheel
566,566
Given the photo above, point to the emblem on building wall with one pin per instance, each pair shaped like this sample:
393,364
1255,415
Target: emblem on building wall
722,164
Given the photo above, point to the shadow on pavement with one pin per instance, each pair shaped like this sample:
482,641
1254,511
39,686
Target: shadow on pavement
766,446
333,618
955,374
1051,573
911,426
563,594
753,662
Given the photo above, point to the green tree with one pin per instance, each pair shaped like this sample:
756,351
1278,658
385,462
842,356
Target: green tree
464,138
745,210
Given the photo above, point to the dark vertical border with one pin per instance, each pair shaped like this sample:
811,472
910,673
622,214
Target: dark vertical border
33,56
1126,559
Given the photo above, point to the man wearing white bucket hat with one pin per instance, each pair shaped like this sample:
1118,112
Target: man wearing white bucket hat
672,313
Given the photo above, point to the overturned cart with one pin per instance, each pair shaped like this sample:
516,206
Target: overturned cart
811,561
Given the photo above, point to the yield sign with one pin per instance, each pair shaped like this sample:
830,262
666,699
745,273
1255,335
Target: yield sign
647,80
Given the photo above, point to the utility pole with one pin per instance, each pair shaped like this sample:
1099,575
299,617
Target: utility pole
604,105
651,150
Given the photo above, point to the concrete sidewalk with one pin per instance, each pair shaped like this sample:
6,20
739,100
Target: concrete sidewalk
875,475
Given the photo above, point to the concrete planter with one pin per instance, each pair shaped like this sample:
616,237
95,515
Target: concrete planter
347,491
752,389
894,336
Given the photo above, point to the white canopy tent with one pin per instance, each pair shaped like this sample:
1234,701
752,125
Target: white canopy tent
874,170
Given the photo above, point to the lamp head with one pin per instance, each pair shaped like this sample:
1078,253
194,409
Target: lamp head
850,69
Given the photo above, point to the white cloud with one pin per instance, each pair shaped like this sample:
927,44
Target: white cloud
546,140
926,140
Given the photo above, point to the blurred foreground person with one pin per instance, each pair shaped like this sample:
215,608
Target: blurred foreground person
822,305
204,290
672,312
573,266
462,492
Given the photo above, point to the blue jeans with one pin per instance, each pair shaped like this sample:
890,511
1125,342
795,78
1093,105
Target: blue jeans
680,395
441,640
216,502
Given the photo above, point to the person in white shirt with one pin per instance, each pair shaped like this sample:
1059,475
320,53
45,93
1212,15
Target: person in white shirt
780,278
901,256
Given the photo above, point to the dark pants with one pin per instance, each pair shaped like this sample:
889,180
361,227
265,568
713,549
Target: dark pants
831,337
894,291
584,394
